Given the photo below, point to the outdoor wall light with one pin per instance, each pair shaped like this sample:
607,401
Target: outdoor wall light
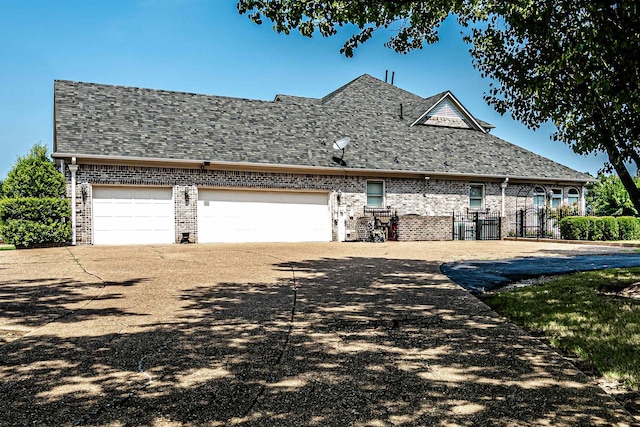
186,195
339,196
83,190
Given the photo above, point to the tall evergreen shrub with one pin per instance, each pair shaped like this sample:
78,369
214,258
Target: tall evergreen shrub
33,211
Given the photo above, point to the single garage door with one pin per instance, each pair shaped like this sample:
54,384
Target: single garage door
263,216
130,215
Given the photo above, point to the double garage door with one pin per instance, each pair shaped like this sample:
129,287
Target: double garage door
263,216
140,215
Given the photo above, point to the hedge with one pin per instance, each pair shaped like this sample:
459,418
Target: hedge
575,227
28,222
629,228
46,210
609,228
599,228
25,234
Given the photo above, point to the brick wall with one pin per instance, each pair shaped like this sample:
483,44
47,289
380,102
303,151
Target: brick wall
186,212
414,227
425,206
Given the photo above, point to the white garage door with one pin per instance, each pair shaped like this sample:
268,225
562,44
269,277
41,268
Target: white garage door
128,215
261,216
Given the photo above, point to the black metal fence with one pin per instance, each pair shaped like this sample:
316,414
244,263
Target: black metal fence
538,223
477,225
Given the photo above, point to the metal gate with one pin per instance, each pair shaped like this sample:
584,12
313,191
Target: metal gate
541,223
477,225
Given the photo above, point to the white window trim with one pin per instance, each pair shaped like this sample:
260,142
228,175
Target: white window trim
543,194
384,192
561,198
484,195
576,195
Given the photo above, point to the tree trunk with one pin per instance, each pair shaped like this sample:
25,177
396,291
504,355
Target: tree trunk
615,158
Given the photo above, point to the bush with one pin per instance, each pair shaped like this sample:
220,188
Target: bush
610,229
24,233
34,176
33,212
600,228
596,228
45,210
575,227
628,228
27,222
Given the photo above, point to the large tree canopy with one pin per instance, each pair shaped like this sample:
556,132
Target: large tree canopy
573,62
607,197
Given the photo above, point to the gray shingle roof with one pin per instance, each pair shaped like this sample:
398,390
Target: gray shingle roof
101,120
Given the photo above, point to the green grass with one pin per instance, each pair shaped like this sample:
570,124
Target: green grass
580,315
6,247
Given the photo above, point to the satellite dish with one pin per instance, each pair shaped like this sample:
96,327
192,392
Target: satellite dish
341,143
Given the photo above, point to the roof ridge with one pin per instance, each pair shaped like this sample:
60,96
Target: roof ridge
343,87
159,91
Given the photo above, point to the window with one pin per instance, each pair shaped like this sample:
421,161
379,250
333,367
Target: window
375,193
539,197
476,196
556,198
573,198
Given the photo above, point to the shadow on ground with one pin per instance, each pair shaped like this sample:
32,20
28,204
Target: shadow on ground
350,341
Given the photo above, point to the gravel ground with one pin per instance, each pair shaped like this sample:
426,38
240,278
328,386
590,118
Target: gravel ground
275,334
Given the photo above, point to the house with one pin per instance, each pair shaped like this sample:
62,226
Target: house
153,166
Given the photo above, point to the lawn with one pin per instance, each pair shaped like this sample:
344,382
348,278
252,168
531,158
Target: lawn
592,316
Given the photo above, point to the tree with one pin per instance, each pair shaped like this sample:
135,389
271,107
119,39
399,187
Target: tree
34,175
34,210
608,197
572,62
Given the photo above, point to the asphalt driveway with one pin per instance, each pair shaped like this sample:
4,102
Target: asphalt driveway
478,276
298,334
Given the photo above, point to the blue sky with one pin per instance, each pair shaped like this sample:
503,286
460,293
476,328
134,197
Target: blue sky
205,46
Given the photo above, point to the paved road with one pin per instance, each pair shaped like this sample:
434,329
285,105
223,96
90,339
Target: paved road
275,335
478,276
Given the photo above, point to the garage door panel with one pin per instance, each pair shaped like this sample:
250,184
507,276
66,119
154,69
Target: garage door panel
129,215
262,216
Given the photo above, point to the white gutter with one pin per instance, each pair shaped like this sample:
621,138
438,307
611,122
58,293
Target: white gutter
212,164
73,168
503,186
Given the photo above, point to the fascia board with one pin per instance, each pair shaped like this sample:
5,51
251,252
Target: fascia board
322,170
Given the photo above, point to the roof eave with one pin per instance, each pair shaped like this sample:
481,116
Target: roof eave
322,170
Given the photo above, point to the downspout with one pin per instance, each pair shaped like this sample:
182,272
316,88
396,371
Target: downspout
583,200
73,168
503,186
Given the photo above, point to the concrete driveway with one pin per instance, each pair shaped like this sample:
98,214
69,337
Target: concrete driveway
284,335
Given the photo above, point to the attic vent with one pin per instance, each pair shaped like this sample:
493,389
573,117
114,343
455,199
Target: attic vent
447,115
446,110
